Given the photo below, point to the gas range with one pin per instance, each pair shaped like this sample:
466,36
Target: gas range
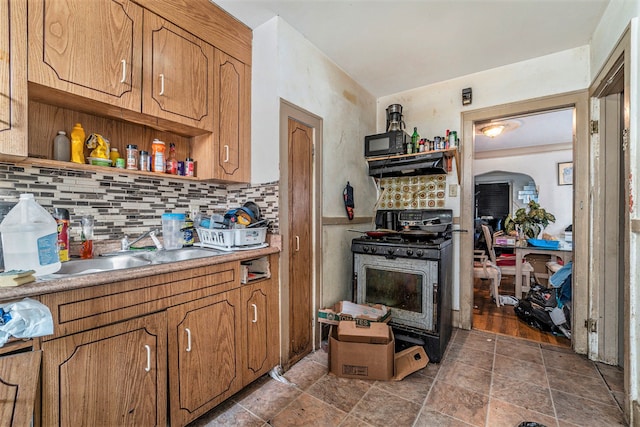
400,247
418,234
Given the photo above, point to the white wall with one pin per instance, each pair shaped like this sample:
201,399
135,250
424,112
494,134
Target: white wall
287,66
438,107
556,199
614,21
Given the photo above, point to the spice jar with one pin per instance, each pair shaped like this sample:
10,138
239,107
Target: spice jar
132,157
145,161
189,167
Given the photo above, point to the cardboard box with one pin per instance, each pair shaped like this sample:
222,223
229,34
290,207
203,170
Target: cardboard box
374,333
362,314
373,361
361,360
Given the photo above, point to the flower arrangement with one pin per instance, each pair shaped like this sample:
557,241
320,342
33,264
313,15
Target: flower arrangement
530,220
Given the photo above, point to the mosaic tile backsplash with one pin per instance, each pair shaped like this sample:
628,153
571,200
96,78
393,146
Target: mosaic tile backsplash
413,192
127,204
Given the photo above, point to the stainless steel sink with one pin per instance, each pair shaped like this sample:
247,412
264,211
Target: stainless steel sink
173,255
95,265
129,259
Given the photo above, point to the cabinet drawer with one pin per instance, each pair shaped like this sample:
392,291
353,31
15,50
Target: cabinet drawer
86,308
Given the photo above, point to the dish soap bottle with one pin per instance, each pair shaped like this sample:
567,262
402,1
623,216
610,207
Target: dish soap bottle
30,238
77,144
61,147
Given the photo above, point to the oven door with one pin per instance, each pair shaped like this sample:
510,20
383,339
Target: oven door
407,286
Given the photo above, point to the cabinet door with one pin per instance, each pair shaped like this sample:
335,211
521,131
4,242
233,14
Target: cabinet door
178,74
19,375
261,329
204,346
88,48
232,135
110,376
13,79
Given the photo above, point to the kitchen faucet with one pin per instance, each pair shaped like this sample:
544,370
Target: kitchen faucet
126,245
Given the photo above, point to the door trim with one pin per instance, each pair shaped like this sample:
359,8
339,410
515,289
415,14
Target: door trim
579,101
289,110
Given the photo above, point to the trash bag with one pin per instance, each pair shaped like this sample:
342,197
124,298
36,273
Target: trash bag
541,310
24,319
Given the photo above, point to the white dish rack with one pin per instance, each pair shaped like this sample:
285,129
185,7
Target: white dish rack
232,239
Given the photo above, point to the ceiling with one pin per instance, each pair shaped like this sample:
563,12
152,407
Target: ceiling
389,46
548,128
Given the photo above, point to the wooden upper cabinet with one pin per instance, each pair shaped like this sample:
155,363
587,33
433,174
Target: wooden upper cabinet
88,48
178,74
13,82
230,157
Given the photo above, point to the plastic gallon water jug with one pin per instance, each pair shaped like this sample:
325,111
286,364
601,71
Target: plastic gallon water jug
172,224
30,238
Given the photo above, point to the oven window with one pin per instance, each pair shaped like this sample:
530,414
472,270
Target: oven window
394,289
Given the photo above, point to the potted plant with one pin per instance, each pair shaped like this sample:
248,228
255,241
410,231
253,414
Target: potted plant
530,220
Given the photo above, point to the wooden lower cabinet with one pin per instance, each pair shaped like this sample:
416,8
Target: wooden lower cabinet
261,333
19,375
204,345
110,376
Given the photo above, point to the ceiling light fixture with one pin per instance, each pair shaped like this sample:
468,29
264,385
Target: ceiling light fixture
492,131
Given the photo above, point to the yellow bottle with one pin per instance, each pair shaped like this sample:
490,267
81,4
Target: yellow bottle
77,144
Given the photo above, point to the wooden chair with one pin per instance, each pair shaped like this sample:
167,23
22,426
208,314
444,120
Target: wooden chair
507,270
484,269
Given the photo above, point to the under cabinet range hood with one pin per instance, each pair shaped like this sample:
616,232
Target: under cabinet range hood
433,163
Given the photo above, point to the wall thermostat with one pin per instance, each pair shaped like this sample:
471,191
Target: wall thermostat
466,96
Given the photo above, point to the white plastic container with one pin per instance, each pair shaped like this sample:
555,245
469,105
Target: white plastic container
172,224
30,238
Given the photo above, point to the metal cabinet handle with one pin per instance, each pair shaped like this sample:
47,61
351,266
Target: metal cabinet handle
297,243
161,85
148,367
255,313
226,154
124,71
188,338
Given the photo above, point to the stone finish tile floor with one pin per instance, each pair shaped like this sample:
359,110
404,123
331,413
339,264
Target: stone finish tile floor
484,379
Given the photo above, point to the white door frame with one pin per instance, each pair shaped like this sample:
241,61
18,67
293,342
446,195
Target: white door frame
579,101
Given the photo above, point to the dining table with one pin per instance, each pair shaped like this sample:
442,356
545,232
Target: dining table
563,253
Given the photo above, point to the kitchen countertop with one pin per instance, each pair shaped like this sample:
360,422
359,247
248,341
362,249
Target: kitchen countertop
41,287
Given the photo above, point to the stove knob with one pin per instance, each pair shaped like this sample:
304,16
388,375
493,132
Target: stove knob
390,251
365,249
409,252
419,253
373,250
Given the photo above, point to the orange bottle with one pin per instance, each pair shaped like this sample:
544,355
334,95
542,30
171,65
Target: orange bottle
157,151
77,144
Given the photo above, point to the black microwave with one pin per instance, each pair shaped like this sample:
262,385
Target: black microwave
386,144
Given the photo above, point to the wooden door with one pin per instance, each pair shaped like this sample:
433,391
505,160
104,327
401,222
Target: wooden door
19,374
300,149
13,79
88,48
204,347
178,74
114,375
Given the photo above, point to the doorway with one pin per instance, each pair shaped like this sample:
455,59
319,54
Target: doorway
300,157
578,102
512,170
